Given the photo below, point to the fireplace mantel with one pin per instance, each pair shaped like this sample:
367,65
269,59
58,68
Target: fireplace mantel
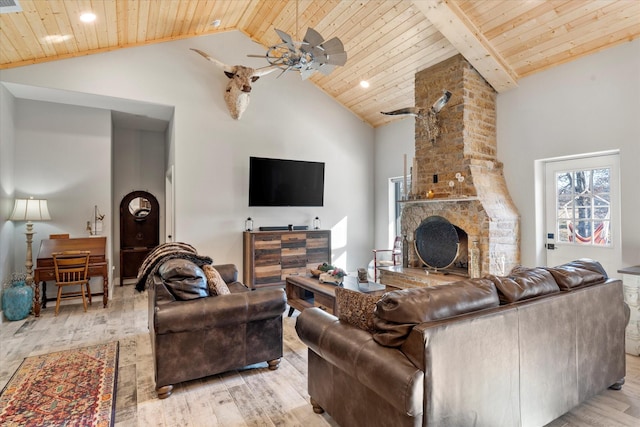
440,200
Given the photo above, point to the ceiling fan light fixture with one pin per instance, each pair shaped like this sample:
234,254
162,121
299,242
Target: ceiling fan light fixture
312,54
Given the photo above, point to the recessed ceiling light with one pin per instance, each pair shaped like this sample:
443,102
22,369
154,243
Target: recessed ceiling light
56,38
88,17
216,23
364,84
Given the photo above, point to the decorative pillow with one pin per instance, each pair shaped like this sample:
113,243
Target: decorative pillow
398,312
184,279
524,283
356,308
216,284
582,272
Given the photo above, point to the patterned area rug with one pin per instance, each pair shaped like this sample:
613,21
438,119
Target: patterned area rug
71,388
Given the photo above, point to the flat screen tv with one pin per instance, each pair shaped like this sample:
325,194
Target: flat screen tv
278,182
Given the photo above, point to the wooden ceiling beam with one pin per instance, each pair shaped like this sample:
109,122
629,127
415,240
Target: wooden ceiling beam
449,19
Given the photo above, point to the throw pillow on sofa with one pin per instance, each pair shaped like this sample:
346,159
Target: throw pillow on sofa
215,282
524,283
356,308
184,279
582,272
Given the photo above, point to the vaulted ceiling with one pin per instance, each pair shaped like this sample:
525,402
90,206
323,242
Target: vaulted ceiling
387,41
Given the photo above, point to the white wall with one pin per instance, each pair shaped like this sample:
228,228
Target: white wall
287,118
62,154
588,105
7,184
393,141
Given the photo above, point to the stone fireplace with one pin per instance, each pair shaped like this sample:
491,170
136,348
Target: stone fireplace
461,173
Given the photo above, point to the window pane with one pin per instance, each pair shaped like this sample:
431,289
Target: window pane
601,213
564,183
582,182
583,232
601,181
601,233
563,234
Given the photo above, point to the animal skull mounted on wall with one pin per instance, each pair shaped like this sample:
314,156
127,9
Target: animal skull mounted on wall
237,92
431,114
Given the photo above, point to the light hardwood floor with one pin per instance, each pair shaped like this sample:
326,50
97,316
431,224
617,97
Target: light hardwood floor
248,397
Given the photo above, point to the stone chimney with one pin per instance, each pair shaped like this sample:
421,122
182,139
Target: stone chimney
461,170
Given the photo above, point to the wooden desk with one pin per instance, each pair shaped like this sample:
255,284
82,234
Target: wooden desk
98,264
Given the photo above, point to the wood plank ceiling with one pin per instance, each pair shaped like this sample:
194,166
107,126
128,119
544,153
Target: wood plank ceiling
387,41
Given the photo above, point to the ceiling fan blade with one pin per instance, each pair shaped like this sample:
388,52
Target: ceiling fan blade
256,56
313,38
318,54
337,59
326,69
333,46
286,38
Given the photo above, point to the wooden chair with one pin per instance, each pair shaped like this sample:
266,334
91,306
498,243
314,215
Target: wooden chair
72,269
396,257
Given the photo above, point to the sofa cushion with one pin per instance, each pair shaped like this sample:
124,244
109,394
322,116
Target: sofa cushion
582,272
524,283
215,282
356,308
184,279
398,312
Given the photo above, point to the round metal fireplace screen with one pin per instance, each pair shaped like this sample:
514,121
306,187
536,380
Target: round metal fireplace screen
436,242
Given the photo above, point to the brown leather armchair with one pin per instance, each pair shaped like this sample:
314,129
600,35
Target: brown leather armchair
194,335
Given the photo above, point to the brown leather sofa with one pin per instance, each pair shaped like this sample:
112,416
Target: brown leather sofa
519,350
194,335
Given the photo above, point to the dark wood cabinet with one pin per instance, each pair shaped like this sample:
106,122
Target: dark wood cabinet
270,256
139,231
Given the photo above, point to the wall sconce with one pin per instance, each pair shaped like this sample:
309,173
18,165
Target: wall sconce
30,210
94,227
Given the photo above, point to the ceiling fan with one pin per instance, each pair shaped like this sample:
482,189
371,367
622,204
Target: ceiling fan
312,54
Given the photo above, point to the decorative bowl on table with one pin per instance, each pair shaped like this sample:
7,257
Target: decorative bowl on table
331,279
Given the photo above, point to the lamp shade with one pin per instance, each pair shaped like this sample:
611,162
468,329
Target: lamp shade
30,210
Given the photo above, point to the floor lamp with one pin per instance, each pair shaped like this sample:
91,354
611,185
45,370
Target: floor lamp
30,210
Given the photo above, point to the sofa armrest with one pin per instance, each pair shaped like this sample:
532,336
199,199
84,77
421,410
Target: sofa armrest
384,370
228,272
212,312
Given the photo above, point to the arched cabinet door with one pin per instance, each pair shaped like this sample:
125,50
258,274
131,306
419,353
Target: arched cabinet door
139,231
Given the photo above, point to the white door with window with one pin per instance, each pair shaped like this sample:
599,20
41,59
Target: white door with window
582,199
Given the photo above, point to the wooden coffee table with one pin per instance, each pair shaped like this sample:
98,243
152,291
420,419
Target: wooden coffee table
304,292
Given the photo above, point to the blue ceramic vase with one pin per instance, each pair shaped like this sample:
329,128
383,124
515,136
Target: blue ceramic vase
17,301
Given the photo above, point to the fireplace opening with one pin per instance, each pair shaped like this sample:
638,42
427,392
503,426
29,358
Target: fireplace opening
442,247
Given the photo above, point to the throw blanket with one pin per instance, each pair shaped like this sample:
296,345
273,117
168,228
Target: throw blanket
164,252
